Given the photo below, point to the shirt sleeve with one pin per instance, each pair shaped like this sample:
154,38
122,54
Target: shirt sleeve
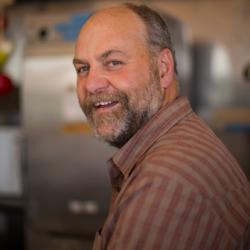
163,214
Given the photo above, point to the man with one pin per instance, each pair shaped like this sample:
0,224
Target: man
174,184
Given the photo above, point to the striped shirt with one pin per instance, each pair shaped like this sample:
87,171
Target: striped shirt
175,186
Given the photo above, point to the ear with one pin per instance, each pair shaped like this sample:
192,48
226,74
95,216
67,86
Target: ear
166,68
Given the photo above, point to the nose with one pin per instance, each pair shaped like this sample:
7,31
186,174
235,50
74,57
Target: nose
96,82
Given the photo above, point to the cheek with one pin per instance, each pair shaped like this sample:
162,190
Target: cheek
128,80
121,80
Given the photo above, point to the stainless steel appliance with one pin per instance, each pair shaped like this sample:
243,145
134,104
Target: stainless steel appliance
67,186
10,161
221,97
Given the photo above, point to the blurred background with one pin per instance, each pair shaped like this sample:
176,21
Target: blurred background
54,188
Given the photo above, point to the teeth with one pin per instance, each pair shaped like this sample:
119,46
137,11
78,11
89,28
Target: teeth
98,104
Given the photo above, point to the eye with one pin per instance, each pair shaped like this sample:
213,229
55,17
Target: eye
82,69
114,63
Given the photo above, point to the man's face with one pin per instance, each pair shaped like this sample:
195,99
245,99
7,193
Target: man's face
118,83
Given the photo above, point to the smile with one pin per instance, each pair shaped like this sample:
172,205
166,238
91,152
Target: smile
105,104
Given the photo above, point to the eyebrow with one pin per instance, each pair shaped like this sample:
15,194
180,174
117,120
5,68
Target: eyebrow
78,61
109,52
104,55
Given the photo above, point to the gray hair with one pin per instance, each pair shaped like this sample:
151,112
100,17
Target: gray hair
158,35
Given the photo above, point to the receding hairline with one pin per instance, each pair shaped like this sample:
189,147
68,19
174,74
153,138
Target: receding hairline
126,9
115,11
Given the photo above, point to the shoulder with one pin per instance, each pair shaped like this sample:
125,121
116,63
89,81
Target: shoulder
191,154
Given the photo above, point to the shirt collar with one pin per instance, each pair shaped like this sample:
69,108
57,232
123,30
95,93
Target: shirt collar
166,118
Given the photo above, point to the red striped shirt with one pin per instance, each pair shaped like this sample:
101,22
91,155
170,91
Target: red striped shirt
175,186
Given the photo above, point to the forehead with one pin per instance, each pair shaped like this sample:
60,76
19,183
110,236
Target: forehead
114,28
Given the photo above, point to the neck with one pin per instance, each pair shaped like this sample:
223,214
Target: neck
171,93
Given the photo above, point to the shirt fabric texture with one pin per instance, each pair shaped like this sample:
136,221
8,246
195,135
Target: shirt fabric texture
175,186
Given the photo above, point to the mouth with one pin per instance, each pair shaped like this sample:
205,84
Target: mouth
105,105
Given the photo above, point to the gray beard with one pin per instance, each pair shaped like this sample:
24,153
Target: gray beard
130,119
132,123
